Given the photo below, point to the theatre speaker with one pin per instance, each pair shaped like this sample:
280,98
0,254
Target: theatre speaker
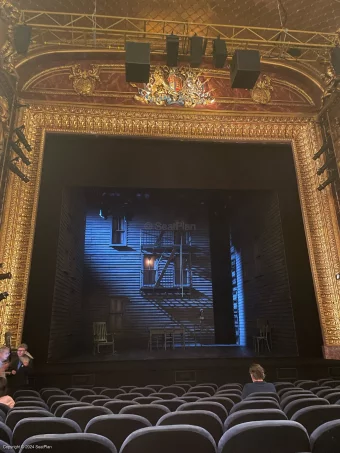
245,69
137,62
196,51
335,58
172,46
219,53
22,38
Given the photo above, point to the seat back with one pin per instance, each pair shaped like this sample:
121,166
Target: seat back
211,406
79,393
14,416
254,404
253,415
25,393
5,433
91,398
82,415
263,394
177,390
99,332
60,410
170,439
226,402
33,404
28,427
130,396
172,405
151,412
112,393
295,406
205,419
101,401
313,417
52,399
326,438
202,388
84,443
146,399
47,393
288,399
116,427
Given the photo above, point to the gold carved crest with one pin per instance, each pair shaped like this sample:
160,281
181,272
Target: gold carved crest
261,93
182,86
84,81
4,119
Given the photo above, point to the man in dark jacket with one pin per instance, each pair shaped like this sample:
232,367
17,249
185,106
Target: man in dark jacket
20,368
258,385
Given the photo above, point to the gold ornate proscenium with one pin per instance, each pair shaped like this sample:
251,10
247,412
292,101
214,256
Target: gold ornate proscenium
317,207
84,81
332,82
4,119
261,93
175,86
9,15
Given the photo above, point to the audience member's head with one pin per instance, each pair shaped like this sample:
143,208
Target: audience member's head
3,386
257,373
22,349
4,353
25,360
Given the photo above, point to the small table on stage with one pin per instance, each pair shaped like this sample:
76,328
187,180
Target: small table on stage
166,333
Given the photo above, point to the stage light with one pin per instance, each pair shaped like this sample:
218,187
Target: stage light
8,275
324,167
245,69
18,172
16,148
172,46
3,295
331,178
323,148
219,53
22,38
137,62
21,136
335,58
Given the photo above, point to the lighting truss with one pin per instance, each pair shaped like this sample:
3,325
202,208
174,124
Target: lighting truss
51,29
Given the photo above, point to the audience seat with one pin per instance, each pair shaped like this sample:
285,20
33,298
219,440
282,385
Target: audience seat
82,415
129,396
253,415
322,387
333,398
4,408
155,387
189,399
143,390
52,399
297,392
5,433
225,391
179,391
208,384
91,398
170,439
98,390
47,393
29,398
4,446
226,402
332,383
25,393
323,393
185,387
307,385
101,401
127,388
312,417
172,405
60,410
79,393
230,386
151,412
111,393
165,395
232,396
283,386
254,404
202,388
321,381
326,438
80,442
116,406
28,427
13,417
211,406
146,399
279,436
264,394
285,401
198,394
33,404
205,419
2,416
116,427
295,406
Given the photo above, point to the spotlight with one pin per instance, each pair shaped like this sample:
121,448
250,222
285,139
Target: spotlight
3,295
22,138
16,148
335,58
196,51
22,38
332,177
245,69
137,62
325,165
18,172
172,45
323,148
5,276
219,52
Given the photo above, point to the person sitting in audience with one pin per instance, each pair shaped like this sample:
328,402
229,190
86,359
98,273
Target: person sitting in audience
20,369
4,353
258,385
4,398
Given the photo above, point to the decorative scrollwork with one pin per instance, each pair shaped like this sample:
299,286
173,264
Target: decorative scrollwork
175,86
332,82
9,15
261,93
4,118
84,81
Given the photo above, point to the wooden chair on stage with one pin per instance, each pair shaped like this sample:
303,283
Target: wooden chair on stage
101,337
263,337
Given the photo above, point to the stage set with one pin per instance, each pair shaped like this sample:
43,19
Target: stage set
172,221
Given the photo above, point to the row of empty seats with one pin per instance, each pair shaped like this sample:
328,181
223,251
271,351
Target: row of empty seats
300,417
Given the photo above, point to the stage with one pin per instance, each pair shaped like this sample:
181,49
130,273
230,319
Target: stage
217,364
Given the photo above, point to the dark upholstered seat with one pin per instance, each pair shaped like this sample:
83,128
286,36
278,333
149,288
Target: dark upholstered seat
295,406
116,406
151,412
254,404
5,433
313,417
13,417
326,438
211,406
82,415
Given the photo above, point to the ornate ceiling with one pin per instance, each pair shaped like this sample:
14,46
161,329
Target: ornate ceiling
316,15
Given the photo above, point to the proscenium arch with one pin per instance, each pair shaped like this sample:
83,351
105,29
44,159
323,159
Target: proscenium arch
321,229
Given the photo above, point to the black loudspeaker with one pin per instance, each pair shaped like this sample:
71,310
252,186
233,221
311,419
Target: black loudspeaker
172,46
335,58
196,51
219,53
245,69
22,38
137,62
